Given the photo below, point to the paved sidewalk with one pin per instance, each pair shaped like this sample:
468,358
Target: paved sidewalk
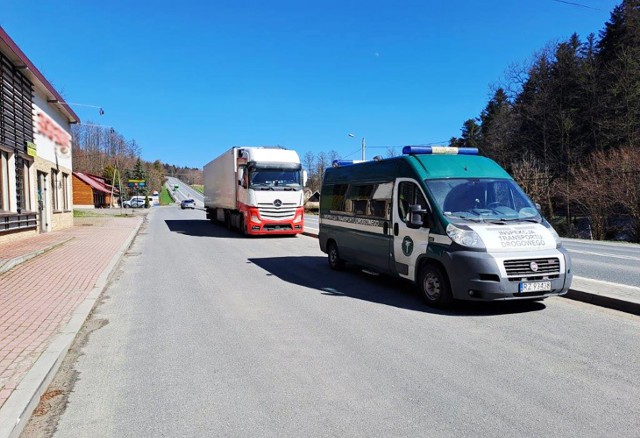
48,286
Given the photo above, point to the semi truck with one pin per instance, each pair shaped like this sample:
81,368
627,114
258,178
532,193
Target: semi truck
257,190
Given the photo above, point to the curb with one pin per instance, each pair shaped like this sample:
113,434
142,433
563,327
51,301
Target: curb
12,263
604,301
17,410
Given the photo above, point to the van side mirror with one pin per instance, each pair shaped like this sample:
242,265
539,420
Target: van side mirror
416,216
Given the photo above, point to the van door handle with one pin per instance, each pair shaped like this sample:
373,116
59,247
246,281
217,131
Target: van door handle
396,229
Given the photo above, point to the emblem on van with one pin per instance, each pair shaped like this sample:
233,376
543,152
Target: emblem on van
277,203
407,246
533,266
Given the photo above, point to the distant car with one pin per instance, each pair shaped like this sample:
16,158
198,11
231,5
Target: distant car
134,203
188,203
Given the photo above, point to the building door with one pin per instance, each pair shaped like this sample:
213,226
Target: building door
43,223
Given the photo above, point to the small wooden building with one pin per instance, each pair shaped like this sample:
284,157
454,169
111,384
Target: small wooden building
91,191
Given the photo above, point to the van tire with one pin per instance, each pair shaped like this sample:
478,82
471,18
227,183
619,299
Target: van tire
433,285
335,262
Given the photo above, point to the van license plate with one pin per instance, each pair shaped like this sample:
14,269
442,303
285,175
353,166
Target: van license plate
538,286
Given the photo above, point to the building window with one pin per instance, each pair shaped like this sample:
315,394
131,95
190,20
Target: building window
65,192
23,184
16,110
4,181
54,190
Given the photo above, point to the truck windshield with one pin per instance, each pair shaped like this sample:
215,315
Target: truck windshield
490,200
274,179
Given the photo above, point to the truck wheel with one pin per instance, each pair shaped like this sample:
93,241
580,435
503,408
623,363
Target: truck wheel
434,286
335,262
227,220
243,227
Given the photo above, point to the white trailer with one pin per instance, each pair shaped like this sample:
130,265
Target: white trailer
257,190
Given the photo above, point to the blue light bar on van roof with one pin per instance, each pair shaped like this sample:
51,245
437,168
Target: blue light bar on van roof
340,163
441,150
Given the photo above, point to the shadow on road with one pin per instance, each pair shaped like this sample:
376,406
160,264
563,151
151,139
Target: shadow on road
312,272
201,228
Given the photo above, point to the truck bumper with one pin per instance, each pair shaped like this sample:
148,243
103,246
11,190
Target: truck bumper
274,228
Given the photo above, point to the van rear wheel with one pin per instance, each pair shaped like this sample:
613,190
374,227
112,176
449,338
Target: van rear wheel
434,286
335,262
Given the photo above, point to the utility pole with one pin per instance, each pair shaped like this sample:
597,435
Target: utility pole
363,147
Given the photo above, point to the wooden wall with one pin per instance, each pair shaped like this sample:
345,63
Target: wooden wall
82,192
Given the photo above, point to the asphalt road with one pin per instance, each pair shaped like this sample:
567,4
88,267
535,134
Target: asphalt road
184,191
212,334
606,261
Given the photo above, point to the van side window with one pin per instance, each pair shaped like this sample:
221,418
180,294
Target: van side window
336,194
381,200
409,194
358,199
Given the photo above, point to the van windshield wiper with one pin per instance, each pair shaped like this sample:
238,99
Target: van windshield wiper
462,216
504,220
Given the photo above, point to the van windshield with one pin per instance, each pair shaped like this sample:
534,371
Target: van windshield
482,200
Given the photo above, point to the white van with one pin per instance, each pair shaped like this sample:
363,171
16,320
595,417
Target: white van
453,222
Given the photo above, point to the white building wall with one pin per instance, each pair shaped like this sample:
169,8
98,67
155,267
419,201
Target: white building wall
47,148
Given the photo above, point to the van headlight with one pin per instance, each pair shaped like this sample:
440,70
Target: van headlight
554,233
468,237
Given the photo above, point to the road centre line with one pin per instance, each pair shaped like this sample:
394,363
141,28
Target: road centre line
604,254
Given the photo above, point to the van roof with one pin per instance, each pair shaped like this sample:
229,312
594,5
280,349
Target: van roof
421,166
457,166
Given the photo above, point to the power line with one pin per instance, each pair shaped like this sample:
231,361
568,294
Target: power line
580,5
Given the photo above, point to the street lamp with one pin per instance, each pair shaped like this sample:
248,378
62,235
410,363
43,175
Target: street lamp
364,147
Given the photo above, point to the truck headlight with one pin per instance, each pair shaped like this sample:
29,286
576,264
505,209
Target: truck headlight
468,237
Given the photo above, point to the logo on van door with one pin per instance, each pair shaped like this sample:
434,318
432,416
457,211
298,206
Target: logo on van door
407,246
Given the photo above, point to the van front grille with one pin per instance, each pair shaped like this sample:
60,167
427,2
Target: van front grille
524,268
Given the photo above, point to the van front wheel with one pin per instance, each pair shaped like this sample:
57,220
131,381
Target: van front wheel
434,286
335,262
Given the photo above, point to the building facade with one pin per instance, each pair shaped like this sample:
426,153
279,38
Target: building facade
92,191
35,149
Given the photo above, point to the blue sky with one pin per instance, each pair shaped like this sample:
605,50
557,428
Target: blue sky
189,79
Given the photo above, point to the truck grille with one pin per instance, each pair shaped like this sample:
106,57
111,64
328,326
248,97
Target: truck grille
270,212
519,269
